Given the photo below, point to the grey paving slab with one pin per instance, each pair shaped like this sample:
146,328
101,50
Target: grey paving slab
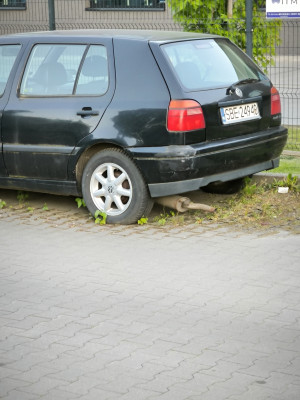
126,313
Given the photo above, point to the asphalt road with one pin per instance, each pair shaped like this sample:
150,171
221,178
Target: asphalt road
146,312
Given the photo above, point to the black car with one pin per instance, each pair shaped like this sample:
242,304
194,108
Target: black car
122,117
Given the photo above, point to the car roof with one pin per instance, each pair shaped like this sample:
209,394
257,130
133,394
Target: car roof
139,35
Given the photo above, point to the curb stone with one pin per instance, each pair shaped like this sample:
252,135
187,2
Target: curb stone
265,177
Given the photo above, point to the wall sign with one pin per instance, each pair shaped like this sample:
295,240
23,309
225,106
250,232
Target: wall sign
283,8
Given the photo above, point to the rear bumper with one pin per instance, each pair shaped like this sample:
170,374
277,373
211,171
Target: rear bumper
169,188
178,169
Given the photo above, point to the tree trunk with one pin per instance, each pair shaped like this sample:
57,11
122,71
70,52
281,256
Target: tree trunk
229,8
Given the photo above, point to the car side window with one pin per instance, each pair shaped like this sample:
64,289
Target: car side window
93,78
51,70
8,55
65,70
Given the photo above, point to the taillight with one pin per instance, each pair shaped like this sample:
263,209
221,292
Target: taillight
185,115
275,101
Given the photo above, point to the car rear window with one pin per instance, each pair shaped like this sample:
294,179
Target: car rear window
209,63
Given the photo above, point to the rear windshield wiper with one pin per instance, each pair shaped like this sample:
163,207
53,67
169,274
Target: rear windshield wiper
232,88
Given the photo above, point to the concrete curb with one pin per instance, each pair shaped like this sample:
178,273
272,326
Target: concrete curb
292,153
269,178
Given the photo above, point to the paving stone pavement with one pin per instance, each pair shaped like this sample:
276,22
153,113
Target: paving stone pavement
134,313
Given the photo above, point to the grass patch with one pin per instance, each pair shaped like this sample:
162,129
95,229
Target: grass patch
257,206
288,165
293,142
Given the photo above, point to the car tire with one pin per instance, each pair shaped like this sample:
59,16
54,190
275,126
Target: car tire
113,184
229,187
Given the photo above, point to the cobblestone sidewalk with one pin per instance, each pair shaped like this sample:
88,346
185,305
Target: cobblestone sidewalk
134,313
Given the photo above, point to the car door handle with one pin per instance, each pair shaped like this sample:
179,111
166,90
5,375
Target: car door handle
87,112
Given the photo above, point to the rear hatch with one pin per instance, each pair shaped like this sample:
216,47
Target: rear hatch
235,95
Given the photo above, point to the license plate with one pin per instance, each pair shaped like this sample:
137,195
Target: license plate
239,113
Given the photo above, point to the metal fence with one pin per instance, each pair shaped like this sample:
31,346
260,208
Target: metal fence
33,15
285,75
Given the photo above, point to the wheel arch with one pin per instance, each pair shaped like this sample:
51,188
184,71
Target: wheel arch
88,154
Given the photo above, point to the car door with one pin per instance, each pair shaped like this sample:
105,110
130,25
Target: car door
62,94
8,55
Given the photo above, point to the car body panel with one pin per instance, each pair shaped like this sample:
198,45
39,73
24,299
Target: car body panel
5,96
137,112
40,133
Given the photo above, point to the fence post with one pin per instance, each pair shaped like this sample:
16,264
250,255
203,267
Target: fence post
249,27
51,10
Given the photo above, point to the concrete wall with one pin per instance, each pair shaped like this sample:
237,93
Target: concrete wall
73,14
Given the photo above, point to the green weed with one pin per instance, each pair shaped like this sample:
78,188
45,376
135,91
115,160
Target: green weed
250,188
80,202
142,221
100,217
290,181
170,218
22,196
